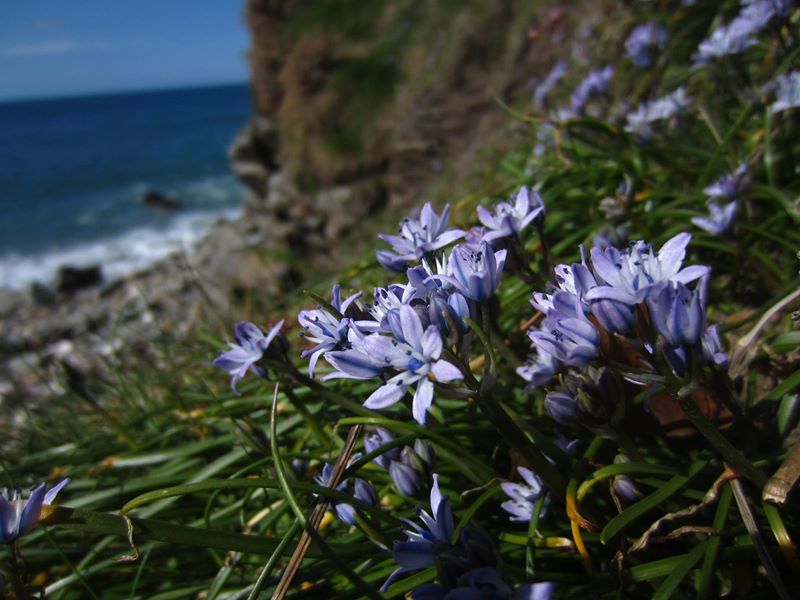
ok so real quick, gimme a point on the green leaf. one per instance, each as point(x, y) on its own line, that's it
point(784, 387)
point(682, 569)
point(99, 523)
point(622, 469)
point(712, 550)
point(651, 502)
point(786, 342)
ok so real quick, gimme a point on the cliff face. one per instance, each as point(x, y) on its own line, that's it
point(360, 105)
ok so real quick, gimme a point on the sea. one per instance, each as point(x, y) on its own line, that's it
point(74, 171)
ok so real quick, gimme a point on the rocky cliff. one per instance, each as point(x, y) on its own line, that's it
point(361, 109)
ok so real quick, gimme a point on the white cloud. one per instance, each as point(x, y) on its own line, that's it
point(51, 47)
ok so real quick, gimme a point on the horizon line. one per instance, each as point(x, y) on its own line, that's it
point(122, 91)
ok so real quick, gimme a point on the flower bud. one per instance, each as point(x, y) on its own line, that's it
point(406, 479)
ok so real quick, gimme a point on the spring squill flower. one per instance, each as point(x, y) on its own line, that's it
point(18, 516)
point(677, 313)
point(539, 369)
point(419, 237)
point(596, 82)
point(553, 77)
point(719, 219)
point(640, 120)
point(629, 275)
point(362, 491)
point(476, 274)
point(642, 41)
point(787, 92)
point(522, 496)
point(248, 348)
point(510, 219)
point(418, 551)
point(327, 331)
point(572, 341)
point(730, 185)
point(415, 357)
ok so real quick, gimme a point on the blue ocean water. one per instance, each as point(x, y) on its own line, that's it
point(73, 172)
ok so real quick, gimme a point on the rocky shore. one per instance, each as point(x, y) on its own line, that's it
point(309, 185)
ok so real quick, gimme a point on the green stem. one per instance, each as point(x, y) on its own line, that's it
point(518, 440)
point(729, 453)
point(279, 550)
point(313, 424)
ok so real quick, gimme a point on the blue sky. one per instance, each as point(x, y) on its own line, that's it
point(63, 47)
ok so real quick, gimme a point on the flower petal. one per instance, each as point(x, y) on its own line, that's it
point(445, 371)
point(422, 400)
point(386, 395)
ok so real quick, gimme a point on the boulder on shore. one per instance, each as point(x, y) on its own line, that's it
point(156, 199)
point(71, 279)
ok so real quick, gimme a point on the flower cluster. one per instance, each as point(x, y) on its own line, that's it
point(605, 296)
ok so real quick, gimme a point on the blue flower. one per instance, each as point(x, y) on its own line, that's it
point(475, 274)
point(362, 491)
point(735, 37)
point(596, 82)
point(483, 583)
point(630, 274)
point(624, 487)
point(327, 331)
point(677, 313)
point(377, 439)
point(713, 348)
point(538, 370)
point(719, 219)
point(18, 517)
point(642, 40)
point(572, 341)
point(563, 408)
point(730, 185)
point(391, 261)
point(418, 551)
point(787, 92)
point(553, 77)
point(639, 121)
point(416, 356)
point(522, 496)
point(510, 219)
point(419, 237)
point(406, 478)
point(249, 347)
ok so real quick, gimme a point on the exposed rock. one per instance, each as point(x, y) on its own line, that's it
point(161, 201)
point(10, 302)
point(253, 154)
point(72, 279)
point(42, 294)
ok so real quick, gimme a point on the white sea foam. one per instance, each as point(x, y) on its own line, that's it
point(121, 255)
